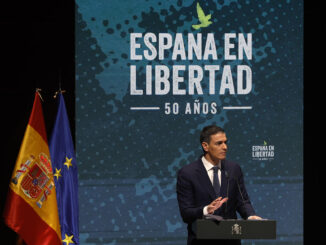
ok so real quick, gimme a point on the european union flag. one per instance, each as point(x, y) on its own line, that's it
point(65, 175)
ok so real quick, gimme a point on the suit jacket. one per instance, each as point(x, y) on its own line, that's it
point(195, 191)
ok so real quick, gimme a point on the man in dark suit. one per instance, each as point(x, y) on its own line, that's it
point(212, 185)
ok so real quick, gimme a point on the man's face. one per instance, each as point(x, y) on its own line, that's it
point(216, 149)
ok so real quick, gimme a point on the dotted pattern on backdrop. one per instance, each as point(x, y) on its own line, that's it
point(128, 161)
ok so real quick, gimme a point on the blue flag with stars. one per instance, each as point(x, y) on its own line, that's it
point(65, 175)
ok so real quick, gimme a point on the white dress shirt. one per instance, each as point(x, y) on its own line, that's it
point(209, 168)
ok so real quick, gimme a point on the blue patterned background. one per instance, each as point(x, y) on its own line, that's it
point(128, 160)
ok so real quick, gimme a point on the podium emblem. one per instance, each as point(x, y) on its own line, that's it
point(236, 229)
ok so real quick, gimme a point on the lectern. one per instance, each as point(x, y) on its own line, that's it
point(235, 229)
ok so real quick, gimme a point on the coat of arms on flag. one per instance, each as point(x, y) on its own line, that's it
point(36, 182)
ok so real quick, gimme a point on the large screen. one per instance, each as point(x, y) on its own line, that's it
point(150, 75)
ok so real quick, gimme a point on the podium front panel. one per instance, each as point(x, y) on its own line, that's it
point(235, 229)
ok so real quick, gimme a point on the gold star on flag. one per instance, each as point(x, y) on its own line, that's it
point(57, 173)
point(68, 162)
point(68, 239)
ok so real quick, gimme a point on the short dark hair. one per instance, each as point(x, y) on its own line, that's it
point(205, 135)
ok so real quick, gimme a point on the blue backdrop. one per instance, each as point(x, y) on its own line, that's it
point(128, 156)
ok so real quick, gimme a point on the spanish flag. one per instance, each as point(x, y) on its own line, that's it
point(31, 206)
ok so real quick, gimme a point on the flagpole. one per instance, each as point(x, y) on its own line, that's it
point(38, 90)
point(57, 92)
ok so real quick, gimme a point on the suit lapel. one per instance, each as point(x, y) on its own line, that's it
point(203, 176)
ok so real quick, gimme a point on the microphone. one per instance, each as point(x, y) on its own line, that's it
point(243, 200)
point(227, 190)
point(237, 180)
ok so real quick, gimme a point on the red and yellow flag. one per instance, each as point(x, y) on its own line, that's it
point(31, 206)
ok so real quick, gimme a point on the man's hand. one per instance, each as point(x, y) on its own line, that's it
point(216, 204)
point(254, 217)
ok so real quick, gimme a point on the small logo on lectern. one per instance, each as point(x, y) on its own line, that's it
point(236, 229)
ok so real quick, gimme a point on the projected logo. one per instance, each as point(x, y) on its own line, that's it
point(263, 152)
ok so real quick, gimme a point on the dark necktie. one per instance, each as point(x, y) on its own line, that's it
point(216, 183)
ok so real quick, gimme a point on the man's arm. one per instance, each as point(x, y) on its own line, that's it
point(186, 200)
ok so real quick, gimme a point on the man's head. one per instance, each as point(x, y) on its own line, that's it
point(214, 143)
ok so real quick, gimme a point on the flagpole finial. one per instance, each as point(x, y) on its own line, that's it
point(59, 91)
point(38, 90)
